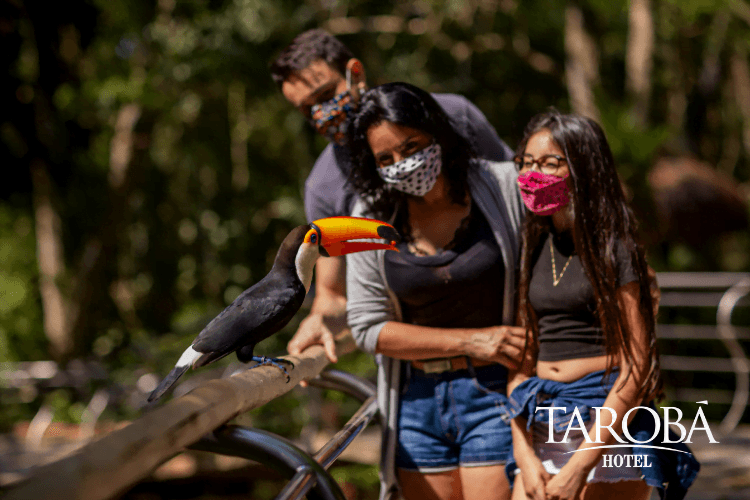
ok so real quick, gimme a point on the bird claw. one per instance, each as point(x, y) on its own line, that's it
point(262, 360)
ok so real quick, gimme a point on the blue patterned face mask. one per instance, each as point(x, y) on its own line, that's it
point(417, 174)
point(329, 118)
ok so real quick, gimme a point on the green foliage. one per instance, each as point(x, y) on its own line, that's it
point(364, 478)
point(21, 334)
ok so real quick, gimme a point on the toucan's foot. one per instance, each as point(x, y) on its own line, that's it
point(262, 360)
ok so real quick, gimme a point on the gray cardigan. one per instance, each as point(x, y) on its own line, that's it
point(371, 303)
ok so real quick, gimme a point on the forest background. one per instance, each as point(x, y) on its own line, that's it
point(153, 167)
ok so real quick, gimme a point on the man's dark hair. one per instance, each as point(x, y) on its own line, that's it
point(306, 48)
point(410, 106)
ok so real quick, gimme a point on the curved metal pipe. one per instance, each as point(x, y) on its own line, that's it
point(738, 357)
point(333, 448)
point(307, 474)
point(347, 383)
point(275, 451)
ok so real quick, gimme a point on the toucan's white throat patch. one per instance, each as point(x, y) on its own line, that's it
point(307, 256)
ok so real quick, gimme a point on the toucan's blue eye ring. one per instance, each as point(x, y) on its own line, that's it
point(313, 238)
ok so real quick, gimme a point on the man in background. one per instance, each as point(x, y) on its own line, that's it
point(320, 77)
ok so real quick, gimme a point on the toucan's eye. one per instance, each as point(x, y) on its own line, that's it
point(313, 238)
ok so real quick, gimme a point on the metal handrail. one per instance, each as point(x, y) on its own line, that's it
point(307, 474)
point(699, 280)
point(272, 450)
point(338, 443)
point(357, 387)
point(724, 291)
point(739, 358)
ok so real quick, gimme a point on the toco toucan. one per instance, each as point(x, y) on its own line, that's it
point(267, 306)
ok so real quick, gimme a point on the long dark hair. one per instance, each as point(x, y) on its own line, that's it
point(410, 106)
point(602, 218)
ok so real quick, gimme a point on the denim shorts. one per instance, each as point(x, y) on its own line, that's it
point(555, 455)
point(451, 419)
point(672, 466)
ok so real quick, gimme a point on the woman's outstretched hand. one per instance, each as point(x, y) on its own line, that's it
point(502, 344)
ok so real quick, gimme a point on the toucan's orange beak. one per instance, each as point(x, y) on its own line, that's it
point(337, 233)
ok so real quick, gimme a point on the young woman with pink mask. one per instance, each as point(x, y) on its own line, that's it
point(584, 298)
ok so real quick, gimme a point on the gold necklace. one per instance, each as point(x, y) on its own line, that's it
point(555, 279)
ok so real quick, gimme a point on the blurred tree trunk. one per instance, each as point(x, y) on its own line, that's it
point(120, 157)
point(66, 319)
point(706, 93)
point(49, 143)
point(581, 66)
point(741, 9)
point(677, 93)
point(101, 250)
point(121, 148)
point(741, 84)
point(49, 251)
point(639, 58)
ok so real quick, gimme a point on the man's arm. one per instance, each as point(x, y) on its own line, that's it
point(325, 196)
point(327, 318)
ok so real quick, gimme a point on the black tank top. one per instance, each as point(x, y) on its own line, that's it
point(568, 322)
point(457, 288)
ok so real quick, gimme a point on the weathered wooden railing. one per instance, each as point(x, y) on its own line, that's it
point(106, 467)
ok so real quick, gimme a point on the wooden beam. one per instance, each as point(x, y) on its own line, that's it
point(108, 466)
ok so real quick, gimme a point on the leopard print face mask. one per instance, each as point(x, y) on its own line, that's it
point(417, 174)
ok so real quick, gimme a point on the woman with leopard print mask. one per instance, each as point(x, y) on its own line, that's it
point(438, 314)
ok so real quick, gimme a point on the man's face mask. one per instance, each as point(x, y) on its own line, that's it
point(417, 174)
point(330, 117)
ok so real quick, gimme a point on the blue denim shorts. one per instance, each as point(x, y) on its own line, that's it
point(673, 467)
point(451, 419)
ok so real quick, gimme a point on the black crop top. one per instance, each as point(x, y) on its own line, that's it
point(568, 324)
point(457, 288)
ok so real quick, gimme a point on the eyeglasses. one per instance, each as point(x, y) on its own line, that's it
point(548, 164)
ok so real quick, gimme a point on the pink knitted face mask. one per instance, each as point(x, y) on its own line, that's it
point(543, 194)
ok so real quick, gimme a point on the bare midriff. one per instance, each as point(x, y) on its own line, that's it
point(568, 370)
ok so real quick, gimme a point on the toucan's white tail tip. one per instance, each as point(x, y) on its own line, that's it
point(188, 357)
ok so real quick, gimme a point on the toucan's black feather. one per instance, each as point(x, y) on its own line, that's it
point(165, 384)
point(258, 312)
point(267, 306)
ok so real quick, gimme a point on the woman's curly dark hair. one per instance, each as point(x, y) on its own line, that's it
point(410, 106)
point(602, 219)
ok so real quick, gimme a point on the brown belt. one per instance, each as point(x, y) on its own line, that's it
point(449, 364)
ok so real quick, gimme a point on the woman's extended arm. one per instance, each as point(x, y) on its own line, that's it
point(373, 316)
point(502, 344)
point(621, 398)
